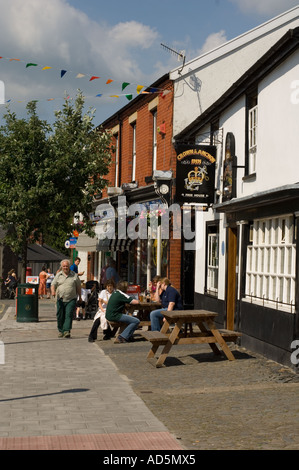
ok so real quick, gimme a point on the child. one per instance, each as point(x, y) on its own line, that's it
point(84, 297)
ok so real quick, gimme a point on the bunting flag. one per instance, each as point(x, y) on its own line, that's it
point(129, 96)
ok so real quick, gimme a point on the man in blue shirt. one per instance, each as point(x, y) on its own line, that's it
point(74, 266)
point(170, 300)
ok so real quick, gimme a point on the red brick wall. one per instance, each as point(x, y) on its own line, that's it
point(166, 156)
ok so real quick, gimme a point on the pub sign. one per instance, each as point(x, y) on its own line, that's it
point(195, 173)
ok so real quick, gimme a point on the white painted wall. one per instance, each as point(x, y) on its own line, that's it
point(204, 79)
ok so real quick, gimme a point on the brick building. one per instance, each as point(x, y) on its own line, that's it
point(144, 159)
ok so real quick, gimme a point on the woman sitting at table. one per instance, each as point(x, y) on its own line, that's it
point(170, 300)
point(153, 289)
point(100, 316)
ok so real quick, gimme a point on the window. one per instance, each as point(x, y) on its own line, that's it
point(134, 152)
point(154, 140)
point(212, 259)
point(271, 263)
point(252, 119)
point(116, 160)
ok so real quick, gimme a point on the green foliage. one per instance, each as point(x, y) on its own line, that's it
point(49, 174)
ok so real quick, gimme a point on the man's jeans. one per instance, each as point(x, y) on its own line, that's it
point(133, 323)
point(65, 312)
point(156, 317)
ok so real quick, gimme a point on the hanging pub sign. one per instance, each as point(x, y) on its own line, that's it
point(195, 173)
point(229, 168)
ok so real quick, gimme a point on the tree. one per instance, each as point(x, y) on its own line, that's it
point(47, 174)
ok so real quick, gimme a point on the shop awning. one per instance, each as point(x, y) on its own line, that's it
point(43, 254)
point(114, 244)
point(86, 243)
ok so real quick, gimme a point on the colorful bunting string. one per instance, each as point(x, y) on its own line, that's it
point(139, 88)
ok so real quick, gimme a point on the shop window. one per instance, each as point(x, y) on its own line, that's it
point(271, 263)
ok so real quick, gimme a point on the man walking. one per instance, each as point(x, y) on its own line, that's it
point(67, 287)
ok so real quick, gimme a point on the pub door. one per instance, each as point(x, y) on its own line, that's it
point(187, 279)
point(231, 277)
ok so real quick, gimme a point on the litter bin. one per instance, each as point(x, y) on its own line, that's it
point(27, 303)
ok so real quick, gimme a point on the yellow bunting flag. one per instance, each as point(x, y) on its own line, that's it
point(139, 88)
point(46, 68)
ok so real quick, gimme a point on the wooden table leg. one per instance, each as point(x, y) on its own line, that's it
point(216, 333)
point(213, 346)
point(155, 347)
point(173, 336)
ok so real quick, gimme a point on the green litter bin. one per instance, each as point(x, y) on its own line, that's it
point(27, 303)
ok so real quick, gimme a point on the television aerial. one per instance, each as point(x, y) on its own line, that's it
point(181, 55)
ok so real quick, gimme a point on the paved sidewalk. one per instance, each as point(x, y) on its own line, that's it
point(57, 394)
point(67, 394)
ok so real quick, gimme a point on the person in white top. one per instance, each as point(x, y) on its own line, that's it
point(84, 298)
point(100, 318)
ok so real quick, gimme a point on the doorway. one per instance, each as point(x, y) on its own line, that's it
point(231, 277)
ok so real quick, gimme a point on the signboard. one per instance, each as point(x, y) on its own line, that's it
point(32, 280)
point(195, 173)
point(229, 168)
point(134, 291)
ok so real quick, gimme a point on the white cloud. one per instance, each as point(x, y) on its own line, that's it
point(213, 40)
point(53, 33)
point(265, 7)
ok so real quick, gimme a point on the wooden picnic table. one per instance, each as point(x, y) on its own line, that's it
point(208, 333)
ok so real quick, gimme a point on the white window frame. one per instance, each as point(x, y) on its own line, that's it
point(252, 138)
point(271, 264)
point(213, 262)
point(116, 159)
point(154, 113)
point(134, 152)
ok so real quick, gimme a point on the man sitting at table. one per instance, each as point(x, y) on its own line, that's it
point(114, 312)
point(170, 300)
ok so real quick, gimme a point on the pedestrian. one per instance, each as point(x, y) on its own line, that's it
point(74, 266)
point(111, 272)
point(100, 316)
point(115, 312)
point(42, 289)
point(103, 278)
point(66, 286)
point(11, 283)
point(48, 283)
point(83, 302)
point(170, 300)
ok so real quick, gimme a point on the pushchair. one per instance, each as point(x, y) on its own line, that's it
point(10, 290)
point(92, 302)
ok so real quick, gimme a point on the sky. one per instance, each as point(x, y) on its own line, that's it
point(118, 41)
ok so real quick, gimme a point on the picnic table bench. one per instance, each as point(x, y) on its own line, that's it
point(208, 333)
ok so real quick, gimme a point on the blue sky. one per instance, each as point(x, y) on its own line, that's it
point(115, 40)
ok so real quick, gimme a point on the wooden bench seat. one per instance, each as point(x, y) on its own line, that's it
point(158, 338)
point(230, 335)
point(155, 336)
point(121, 325)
